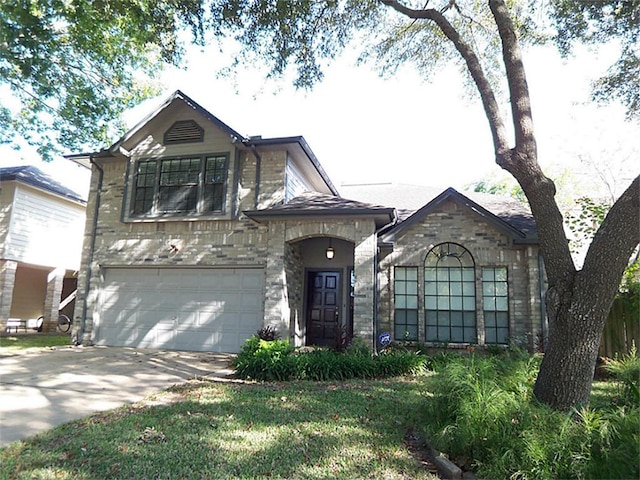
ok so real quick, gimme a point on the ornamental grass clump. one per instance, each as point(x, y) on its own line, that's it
point(483, 414)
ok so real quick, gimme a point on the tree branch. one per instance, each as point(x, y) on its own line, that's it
point(612, 244)
point(516, 76)
point(498, 131)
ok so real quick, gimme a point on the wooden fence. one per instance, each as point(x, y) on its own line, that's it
point(622, 329)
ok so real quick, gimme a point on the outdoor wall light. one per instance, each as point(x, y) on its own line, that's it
point(330, 251)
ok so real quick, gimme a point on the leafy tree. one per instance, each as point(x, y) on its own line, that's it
point(597, 22)
point(506, 187)
point(72, 67)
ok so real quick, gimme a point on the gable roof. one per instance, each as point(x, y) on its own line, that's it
point(33, 176)
point(506, 215)
point(297, 144)
point(177, 95)
point(314, 204)
point(409, 199)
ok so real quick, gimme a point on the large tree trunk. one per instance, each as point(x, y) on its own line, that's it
point(577, 310)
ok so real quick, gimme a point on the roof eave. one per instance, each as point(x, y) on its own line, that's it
point(516, 235)
point(381, 216)
point(190, 102)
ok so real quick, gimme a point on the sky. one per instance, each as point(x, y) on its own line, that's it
point(365, 129)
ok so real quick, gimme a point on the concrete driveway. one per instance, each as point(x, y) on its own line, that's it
point(39, 390)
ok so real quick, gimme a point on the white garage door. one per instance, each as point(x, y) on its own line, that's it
point(211, 310)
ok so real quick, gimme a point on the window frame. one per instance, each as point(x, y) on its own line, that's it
point(405, 296)
point(201, 186)
point(503, 308)
point(442, 289)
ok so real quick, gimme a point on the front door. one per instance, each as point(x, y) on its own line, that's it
point(323, 307)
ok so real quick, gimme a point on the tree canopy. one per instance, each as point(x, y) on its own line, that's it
point(71, 68)
point(597, 22)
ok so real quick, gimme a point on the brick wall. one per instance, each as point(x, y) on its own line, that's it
point(490, 247)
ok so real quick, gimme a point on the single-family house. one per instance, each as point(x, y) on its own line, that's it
point(198, 236)
point(41, 232)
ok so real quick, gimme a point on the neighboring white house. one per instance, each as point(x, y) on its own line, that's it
point(41, 234)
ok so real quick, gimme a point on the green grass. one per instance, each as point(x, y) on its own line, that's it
point(16, 343)
point(485, 417)
point(477, 409)
point(306, 430)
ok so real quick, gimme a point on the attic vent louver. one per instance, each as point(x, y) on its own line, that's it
point(184, 131)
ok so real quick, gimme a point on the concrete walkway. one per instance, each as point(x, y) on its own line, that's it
point(42, 389)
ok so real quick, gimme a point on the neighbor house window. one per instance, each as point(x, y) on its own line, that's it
point(495, 300)
point(180, 185)
point(450, 295)
point(405, 287)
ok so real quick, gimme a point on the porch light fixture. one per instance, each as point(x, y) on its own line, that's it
point(330, 251)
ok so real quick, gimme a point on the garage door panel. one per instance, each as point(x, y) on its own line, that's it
point(182, 309)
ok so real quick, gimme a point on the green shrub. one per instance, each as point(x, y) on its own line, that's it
point(279, 360)
point(483, 414)
point(626, 370)
point(266, 360)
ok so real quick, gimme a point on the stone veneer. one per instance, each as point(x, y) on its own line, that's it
point(490, 247)
point(230, 241)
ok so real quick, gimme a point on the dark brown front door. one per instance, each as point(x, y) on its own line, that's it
point(323, 307)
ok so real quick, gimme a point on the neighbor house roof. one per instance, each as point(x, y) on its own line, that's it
point(314, 204)
point(30, 175)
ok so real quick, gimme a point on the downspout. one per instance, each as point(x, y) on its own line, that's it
point(258, 166)
point(376, 294)
point(92, 244)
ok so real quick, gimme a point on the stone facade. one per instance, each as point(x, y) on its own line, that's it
point(287, 244)
point(489, 247)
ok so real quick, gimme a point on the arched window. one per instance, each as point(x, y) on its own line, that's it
point(450, 294)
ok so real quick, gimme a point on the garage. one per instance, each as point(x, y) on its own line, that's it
point(209, 310)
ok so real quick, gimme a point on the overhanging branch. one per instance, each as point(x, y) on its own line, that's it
point(489, 103)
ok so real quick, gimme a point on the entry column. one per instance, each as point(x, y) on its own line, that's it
point(364, 269)
point(52, 299)
point(7, 281)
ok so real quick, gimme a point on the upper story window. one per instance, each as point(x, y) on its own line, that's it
point(181, 185)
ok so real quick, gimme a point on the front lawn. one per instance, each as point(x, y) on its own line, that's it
point(15, 343)
point(478, 409)
point(351, 429)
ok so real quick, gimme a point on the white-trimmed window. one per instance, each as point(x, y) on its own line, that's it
point(495, 300)
point(405, 287)
point(180, 185)
point(450, 295)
